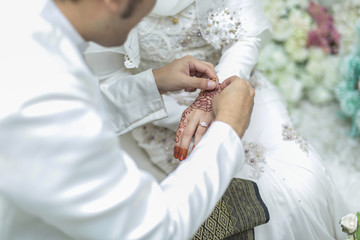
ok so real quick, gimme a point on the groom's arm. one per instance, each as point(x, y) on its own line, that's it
point(134, 100)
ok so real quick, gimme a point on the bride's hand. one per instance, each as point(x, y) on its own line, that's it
point(194, 122)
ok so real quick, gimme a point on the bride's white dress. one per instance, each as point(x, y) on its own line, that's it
point(294, 184)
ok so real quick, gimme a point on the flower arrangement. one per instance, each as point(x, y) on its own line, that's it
point(348, 90)
point(350, 225)
point(346, 13)
point(303, 57)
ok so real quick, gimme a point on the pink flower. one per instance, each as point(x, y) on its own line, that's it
point(325, 36)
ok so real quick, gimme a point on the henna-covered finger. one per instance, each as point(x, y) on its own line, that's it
point(178, 138)
point(201, 108)
point(179, 133)
point(200, 132)
point(176, 152)
point(183, 154)
point(187, 135)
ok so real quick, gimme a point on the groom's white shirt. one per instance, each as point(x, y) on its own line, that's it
point(63, 174)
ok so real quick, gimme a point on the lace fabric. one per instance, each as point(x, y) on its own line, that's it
point(162, 41)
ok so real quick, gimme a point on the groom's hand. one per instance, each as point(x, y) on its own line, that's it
point(234, 104)
point(186, 73)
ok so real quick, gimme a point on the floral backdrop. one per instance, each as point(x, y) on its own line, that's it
point(313, 54)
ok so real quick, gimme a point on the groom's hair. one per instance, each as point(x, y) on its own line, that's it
point(130, 8)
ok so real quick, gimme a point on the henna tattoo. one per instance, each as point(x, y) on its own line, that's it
point(176, 152)
point(182, 124)
point(202, 102)
point(183, 154)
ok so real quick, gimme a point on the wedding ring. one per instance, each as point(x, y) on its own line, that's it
point(203, 124)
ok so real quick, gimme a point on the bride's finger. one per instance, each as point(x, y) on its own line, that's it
point(179, 132)
point(178, 137)
point(187, 135)
point(203, 126)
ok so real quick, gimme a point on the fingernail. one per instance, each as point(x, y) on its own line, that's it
point(176, 152)
point(183, 154)
point(211, 84)
point(193, 147)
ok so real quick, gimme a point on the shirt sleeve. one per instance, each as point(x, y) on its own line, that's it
point(131, 100)
point(61, 162)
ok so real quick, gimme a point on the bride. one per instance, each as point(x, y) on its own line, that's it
point(293, 182)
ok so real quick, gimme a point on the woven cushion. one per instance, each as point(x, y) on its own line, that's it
point(236, 214)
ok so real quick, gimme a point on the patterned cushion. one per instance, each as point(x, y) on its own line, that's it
point(236, 214)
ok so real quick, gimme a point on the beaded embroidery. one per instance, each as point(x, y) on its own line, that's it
point(224, 28)
point(162, 42)
point(290, 134)
point(255, 157)
point(190, 35)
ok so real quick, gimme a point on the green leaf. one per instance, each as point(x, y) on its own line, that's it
point(357, 232)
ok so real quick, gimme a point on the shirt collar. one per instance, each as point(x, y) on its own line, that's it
point(52, 14)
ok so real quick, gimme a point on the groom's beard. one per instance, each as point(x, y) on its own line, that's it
point(130, 8)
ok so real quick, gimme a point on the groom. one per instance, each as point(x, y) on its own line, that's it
point(63, 174)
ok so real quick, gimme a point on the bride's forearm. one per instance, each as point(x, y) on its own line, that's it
point(239, 59)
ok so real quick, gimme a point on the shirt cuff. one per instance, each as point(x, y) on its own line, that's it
point(133, 101)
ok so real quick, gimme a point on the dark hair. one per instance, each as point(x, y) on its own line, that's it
point(130, 8)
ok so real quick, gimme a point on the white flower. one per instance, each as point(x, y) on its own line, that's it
point(332, 74)
point(349, 222)
point(296, 45)
point(289, 85)
point(323, 69)
point(272, 57)
point(350, 10)
point(300, 19)
point(298, 3)
point(282, 29)
point(317, 54)
point(350, 237)
point(320, 95)
point(315, 69)
point(306, 79)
